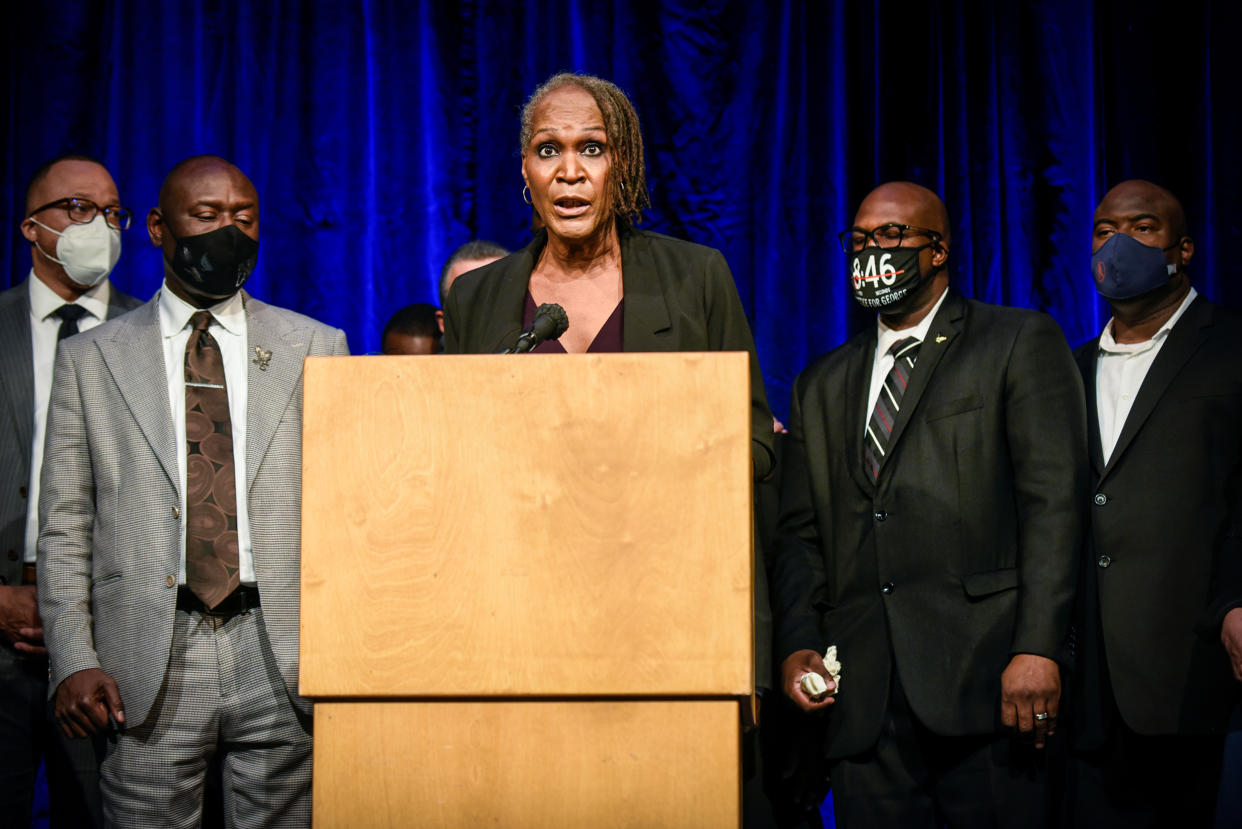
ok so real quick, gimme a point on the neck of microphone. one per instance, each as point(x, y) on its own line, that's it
point(550, 323)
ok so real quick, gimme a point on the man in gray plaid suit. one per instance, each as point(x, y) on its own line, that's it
point(73, 223)
point(169, 544)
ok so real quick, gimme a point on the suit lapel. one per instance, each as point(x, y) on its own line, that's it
point(1088, 358)
point(854, 401)
point(134, 354)
point(508, 297)
point(940, 336)
point(17, 366)
point(275, 351)
point(646, 311)
point(1184, 340)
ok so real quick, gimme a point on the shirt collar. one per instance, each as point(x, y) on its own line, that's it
point(175, 313)
point(1107, 343)
point(886, 336)
point(44, 301)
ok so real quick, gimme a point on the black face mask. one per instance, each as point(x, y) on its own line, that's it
point(216, 263)
point(882, 277)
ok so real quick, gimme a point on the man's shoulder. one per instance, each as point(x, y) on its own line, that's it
point(284, 323)
point(986, 323)
point(259, 310)
point(1003, 315)
point(1227, 320)
point(14, 295)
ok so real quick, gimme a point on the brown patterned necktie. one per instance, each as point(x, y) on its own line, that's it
point(211, 566)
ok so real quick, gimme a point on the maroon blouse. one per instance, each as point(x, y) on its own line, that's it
point(607, 340)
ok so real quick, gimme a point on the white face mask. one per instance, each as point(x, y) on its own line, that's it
point(88, 252)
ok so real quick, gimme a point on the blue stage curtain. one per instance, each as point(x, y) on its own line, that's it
point(383, 134)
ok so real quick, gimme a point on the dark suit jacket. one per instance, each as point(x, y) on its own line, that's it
point(965, 550)
point(679, 296)
point(17, 416)
point(1166, 519)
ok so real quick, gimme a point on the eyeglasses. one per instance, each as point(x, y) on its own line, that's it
point(83, 211)
point(890, 235)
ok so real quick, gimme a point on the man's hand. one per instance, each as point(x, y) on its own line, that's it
point(85, 700)
point(1231, 638)
point(792, 670)
point(1031, 686)
point(19, 619)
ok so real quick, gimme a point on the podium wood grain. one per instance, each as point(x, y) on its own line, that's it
point(564, 526)
point(527, 764)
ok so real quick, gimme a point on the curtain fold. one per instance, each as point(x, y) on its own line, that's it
point(383, 134)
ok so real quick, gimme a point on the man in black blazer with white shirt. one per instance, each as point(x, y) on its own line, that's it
point(1161, 611)
point(931, 518)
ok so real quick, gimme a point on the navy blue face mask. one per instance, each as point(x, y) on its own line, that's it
point(1124, 267)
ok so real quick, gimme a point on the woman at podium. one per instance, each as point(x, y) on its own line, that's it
point(622, 288)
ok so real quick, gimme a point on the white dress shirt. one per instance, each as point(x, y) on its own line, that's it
point(1119, 372)
point(228, 327)
point(885, 337)
point(44, 330)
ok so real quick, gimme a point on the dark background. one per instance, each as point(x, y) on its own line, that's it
point(382, 135)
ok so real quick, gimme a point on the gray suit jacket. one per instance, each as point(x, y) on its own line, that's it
point(109, 540)
point(17, 419)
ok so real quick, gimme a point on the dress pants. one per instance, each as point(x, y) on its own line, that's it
point(222, 696)
point(28, 734)
point(1136, 782)
point(913, 778)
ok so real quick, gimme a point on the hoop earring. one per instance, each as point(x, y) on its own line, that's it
point(526, 194)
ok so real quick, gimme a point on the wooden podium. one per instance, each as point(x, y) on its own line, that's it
point(526, 588)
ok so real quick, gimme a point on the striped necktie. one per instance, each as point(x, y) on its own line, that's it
point(880, 426)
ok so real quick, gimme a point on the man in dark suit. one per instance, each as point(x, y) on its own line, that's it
point(73, 223)
point(170, 530)
point(1161, 610)
point(931, 517)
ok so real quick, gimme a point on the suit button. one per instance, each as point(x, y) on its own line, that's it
point(881, 515)
point(176, 512)
point(1103, 561)
point(170, 581)
point(1100, 499)
point(12, 555)
point(21, 490)
point(887, 588)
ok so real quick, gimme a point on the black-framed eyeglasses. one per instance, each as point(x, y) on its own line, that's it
point(890, 235)
point(83, 211)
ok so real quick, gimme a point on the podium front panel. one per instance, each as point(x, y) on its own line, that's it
point(564, 525)
point(527, 764)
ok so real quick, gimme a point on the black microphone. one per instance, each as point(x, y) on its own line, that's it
point(550, 323)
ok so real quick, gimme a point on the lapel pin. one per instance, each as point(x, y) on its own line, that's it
point(939, 338)
point(261, 358)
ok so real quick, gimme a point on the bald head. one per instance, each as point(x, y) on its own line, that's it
point(1144, 210)
point(906, 203)
point(191, 174)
